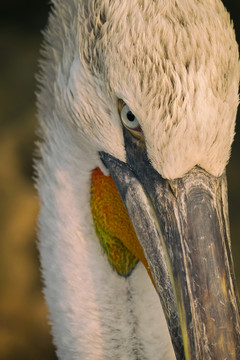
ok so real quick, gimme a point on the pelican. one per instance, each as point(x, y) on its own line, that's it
point(137, 108)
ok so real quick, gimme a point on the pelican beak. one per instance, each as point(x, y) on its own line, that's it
point(183, 228)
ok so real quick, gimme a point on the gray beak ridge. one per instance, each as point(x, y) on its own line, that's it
point(183, 229)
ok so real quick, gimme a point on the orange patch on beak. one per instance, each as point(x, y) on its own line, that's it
point(110, 215)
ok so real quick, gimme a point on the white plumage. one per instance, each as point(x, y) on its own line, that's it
point(175, 63)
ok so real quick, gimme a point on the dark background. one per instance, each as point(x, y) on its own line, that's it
point(24, 332)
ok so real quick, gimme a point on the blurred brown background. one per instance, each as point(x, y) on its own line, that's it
point(24, 332)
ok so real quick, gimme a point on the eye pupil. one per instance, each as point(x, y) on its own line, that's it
point(130, 116)
point(129, 120)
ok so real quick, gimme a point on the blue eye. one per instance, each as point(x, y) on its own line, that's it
point(129, 119)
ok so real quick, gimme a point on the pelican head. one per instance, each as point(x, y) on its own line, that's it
point(147, 91)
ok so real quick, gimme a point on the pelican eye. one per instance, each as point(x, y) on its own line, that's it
point(129, 120)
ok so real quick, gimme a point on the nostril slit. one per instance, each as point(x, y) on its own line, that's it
point(173, 188)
